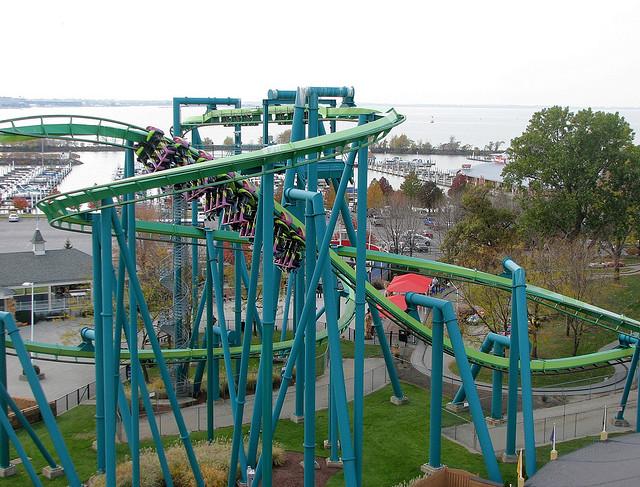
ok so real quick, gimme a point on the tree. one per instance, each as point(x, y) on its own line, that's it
point(400, 143)
point(228, 140)
point(617, 208)
point(385, 186)
point(484, 234)
point(411, 187)
point(20, 203)
point(562, 157)
point(431, 195)
point(284, 137)
point(400, 222)
point(375, 196)
point(452, 146)
point(458, 185)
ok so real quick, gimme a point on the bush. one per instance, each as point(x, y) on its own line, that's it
point(213, 459)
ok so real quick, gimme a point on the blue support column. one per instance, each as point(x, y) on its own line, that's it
point(512, 397)
point(448, 316)
point(134, 439)
point(435, 414)
point(7, 323)
point(209, 340)
point(287, 303)
point(107, 344)
point(496, 387)
point(398, 395)
point(520, 300)
point(629, 381)
point(5, 461)
point(162, 366)
point(310, 330)
point(361, 279)
point(97, 324)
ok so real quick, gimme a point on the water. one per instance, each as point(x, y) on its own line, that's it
point(476, 126)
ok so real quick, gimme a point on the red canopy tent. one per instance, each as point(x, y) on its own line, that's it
point(398, 300)
point(409, 283)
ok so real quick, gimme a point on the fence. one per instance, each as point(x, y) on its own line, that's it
point(81, 394)
point(195, 417)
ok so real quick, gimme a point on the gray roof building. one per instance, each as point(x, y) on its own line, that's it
point(51, 267)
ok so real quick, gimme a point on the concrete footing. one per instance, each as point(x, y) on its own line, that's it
point(399, 401)
point(509, 458)
point(334, 463)
point(297, 419)
point(52, 472)
point(553, 455)
point(8, 471)
point(429, 470)
point(23, 377)
point(316, 465)
point(604, 435)
point(495, 421)
point(457, 407)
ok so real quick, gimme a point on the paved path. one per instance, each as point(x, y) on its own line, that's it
point(572, 420)
point(375, 377)
point(60, 378)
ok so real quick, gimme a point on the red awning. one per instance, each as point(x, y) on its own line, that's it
point(398, 300)
point(409, 283)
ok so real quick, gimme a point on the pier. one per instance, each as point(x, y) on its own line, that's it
point(423, 169)
point(32, 182)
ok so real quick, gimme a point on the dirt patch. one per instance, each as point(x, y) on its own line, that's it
point(291, 474)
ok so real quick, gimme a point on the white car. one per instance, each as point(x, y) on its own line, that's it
point(13, 217)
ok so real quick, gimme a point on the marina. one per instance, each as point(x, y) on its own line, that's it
point(31, 182)
point(424, 168)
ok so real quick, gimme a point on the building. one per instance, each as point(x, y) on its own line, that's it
point(61, 278)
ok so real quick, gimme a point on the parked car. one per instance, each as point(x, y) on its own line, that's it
point(377, 221)
point(13, 217)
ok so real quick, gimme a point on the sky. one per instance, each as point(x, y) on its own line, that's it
point(490, 52)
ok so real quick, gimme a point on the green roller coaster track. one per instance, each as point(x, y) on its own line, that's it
point(65, 211)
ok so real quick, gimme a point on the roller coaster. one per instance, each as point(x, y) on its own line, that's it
point(290, 244)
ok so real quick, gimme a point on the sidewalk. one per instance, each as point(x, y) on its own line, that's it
point(195, 417)
point(573, 420)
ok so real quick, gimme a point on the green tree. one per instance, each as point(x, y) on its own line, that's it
point(411, 187)
point(562, 156)
point(484, 234)
point(375, 196)
point(431, 196)
point(617, 207)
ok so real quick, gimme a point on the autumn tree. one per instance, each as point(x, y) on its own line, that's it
point(400, 222)
point(228, 140)
point(385, 186)
point(284, 137)
point(20, 203)
point(375, 196)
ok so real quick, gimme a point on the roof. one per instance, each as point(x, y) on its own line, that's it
point(37, 237)
point(55, 266)
point(489, 171)
point(611, 463)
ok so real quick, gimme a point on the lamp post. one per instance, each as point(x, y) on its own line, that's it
point(27, 284)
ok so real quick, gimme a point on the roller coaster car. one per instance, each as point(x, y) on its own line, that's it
point(182, 155)
point(153, 142)
point(204, 156)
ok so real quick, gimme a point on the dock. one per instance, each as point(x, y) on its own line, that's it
point(401, 168)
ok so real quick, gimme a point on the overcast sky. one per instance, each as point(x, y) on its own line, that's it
point(579, 53)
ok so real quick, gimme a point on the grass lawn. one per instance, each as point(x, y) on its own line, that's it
point(348, 349)
point(395, 445)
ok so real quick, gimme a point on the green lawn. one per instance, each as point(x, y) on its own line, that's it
point(395, 445)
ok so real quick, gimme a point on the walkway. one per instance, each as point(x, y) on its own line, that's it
point(375, 377)
point(572, 420)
